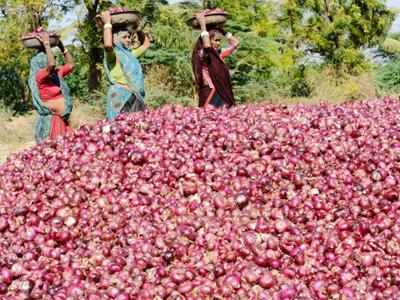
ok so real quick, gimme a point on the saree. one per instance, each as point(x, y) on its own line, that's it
point(121, 98)
point(219, 74)
point(47, 122)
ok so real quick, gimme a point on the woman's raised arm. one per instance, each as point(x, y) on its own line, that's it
point(204, 33)
point(44, 38)
point(107, 31)
point(67, 56)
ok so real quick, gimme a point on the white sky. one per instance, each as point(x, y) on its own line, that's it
point(395, 4)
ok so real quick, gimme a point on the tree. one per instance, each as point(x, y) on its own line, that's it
point(387, 73)
point(391, 45)
point(336, 29)
point(265, 59)
point(91, 39)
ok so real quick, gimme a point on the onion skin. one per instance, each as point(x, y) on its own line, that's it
point(253, 202)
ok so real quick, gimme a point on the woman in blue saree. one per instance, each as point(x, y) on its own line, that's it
point(124, 72)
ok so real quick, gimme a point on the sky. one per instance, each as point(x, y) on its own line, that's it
point(395, 4)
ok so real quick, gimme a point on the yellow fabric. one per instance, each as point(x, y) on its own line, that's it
point(116, 73)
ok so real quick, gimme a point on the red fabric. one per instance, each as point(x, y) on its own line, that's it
point(228, 51)
point(49, 84)
point(58, 126)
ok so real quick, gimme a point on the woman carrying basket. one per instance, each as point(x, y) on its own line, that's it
point(50, 94)
point(124, 72)
point(211, 74)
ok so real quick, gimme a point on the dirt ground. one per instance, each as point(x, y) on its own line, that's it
point(17, 133)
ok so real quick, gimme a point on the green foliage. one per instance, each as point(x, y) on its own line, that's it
point(300, 87)
point(325, 85)
point(390, 46)
point(12, 89)
point(388, 76)
point(337, 29)
point(77, 80)
point(14, 67)
point(251, 15)
point(14, 58)
point(172, 46)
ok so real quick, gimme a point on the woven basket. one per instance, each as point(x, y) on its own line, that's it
point(216, 19)
point(34, 43)
point(129, 19)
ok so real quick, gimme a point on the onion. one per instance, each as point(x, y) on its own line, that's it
point(3, 223)
point(253, 202)
point(281, 226)
point(287, 293)
point(266, 281)
point(241, 201)
point(233, 282)
point(6, 276)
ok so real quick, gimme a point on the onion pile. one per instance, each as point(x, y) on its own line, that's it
point(254, 202)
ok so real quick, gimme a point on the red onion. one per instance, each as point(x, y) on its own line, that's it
point(255, 202)
point(267, 281)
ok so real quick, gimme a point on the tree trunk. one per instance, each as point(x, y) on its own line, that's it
point(94, 79)
point(95, 54)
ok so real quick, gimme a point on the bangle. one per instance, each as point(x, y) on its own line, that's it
point(228, 35)
point(46, 43)
point(107, 25)
point(204, 33)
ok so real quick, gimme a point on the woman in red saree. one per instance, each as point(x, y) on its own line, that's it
point(50, 93)
point(211, 73)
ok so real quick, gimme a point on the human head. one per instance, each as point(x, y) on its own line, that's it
point(216, 36)
point(124, 37)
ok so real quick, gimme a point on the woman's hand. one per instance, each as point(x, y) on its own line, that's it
point(201, 18)
point(106, 17)
point(146, 42)
point(44, 38)
point(107, 32)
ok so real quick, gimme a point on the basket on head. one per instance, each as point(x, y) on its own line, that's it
point(122, 17)
point(30, 39)
point(216, 17)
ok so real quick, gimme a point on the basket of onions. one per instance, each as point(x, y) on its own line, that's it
point(30, 40)
point(214, 18)
point(122, 17)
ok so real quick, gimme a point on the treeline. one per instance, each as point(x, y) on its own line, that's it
point(289, 49)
